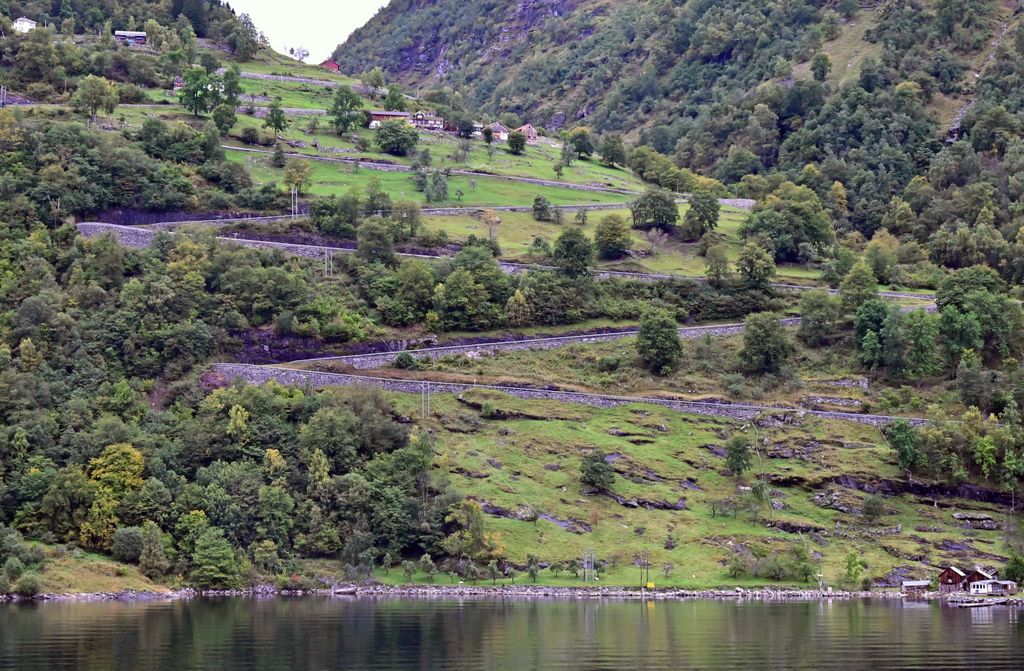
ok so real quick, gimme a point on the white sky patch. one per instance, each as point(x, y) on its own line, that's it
point(317, 25)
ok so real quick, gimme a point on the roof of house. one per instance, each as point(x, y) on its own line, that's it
point(498, 126)
point(916, 583)
point(129, 33)
point(956, 570)
point(388, 113)
point(24, 19)
point(985, 574)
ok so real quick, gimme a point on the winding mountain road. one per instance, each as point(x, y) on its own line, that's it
point(135, 237)
point(139, 237)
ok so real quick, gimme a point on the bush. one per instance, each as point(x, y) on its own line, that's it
point(28, 585)
point(127, 544)
point(250, 135)
point(874, 508)
point(12, 570)
point(130, 94)
point(596, 472)
point(406, 361)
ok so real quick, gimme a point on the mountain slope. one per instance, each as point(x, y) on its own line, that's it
point(560, 61)
point(729, 88)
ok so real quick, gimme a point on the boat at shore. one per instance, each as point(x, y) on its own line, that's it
point(979, 603)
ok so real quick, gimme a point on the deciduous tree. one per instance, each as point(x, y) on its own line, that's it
point(657, 341)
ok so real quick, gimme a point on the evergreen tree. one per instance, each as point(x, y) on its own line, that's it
point(716, 262)
point(738, 458)
point(213, 562)
point(819, 313)
point(613, 151)
point(152, 559)
point(94, 94)
point(345, 109)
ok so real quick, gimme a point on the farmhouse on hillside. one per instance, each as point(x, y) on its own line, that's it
point(330, 65)
point(377, 117)
point(529, 131)
point(23, 25)
point(130, 37)
point(501, 131)
point(952, 580)
point(427, 121)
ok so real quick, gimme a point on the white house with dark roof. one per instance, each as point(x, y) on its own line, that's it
point(23, 25)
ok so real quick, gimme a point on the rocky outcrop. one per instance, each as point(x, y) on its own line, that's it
point(647, 504)
point(925, 489)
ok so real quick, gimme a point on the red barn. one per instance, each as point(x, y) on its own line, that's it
point(330, 65)
point(977, 575)
point(952, 580)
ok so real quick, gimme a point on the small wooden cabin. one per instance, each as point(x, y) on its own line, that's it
point(377, 117)
point(136, 37)
point(915, 588)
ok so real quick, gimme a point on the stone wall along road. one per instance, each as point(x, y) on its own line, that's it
point(301, 378)
point(382, 359)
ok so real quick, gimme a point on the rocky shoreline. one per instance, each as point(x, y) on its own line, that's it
point(462, 591)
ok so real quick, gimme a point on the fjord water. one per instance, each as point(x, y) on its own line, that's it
point(343, 633)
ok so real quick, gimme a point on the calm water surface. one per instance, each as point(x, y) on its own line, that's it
point(341, 633)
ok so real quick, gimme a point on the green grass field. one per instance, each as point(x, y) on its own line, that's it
point(335, 179)
point(533, 460)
